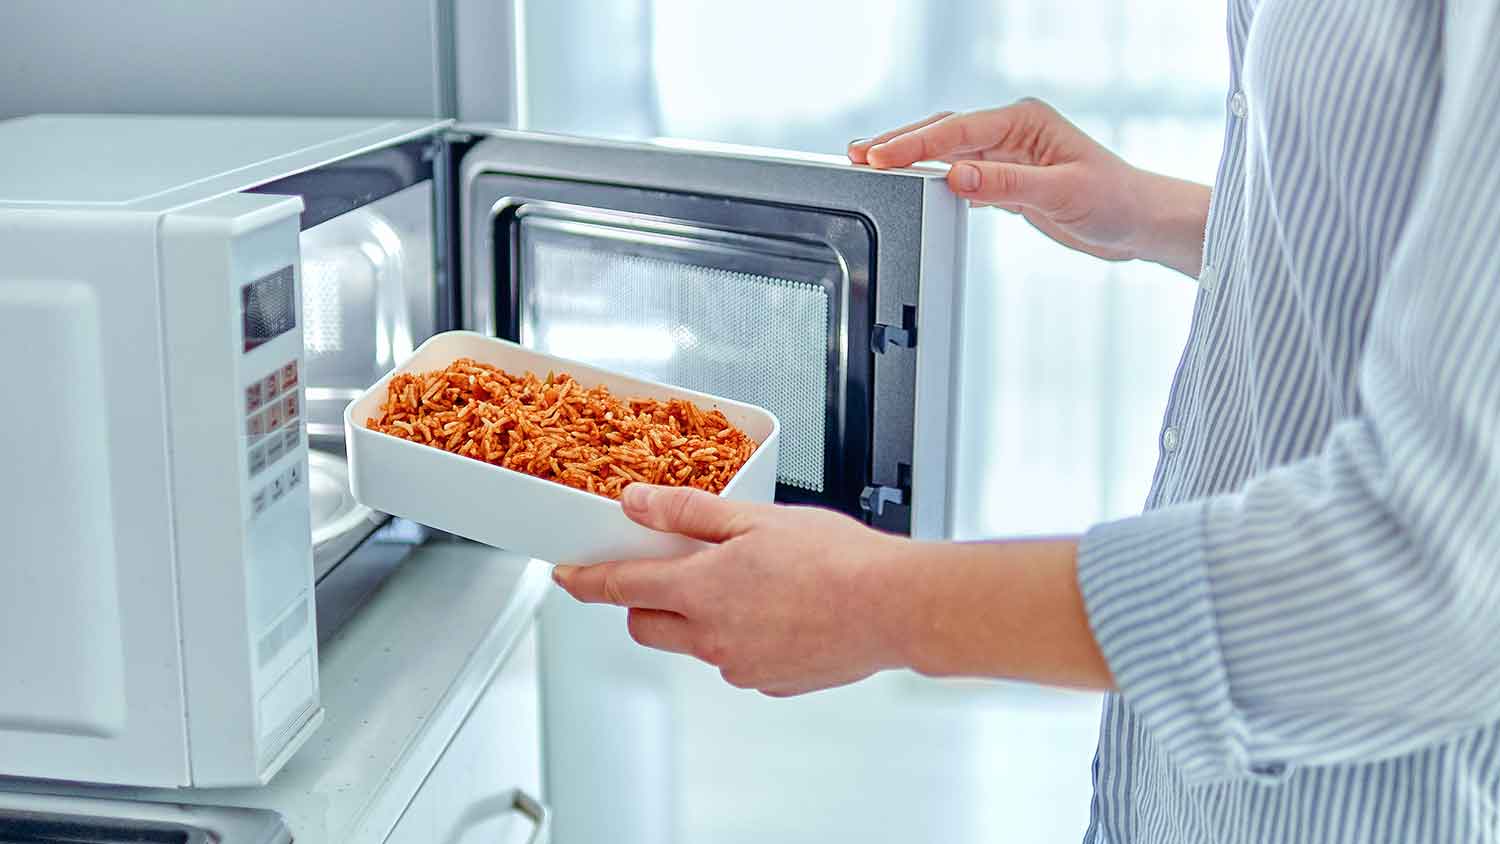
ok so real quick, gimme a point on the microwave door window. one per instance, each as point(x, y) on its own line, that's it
point(750, 319)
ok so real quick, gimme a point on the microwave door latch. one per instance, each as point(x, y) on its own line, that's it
point(873, 499)
point(883, 337)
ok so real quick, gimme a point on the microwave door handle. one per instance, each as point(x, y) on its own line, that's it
point(517, 801)
point(538, 813)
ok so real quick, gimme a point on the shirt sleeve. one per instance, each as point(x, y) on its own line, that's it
point(1346, 607)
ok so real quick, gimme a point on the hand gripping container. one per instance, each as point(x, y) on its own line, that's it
point(511, 510)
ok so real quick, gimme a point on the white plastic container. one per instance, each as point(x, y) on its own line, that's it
point(511, 510)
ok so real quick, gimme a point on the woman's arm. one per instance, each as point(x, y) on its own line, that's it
point(995, 609)
point(790, 599)
point(1028, 159)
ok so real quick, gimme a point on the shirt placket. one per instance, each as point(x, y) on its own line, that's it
point(1183, 404)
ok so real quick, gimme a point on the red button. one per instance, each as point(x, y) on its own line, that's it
point(274, 417)
point(268, 388)
point(289, 406)
point(289, 376)
point(252, 397)
point(257, 426)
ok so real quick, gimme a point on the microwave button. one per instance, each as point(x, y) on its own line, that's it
point(278, 489)
point(257, 460)
point(275, 448)
point(258, 502)
point(289, 376)
point(274, 417)
point(291, 438)
point(255, 427)
point(268, 388)
point(289, 406)
point(294, 476)
point(252, 397)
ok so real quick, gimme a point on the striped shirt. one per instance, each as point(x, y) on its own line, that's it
point(1304, 625)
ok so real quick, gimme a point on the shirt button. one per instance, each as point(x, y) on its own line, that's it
point(1239, 105)
point(1209, 279)
point(1171, 438)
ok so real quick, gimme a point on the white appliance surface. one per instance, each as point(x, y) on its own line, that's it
point(399, 682)
point(130, 257)
point(153, 163)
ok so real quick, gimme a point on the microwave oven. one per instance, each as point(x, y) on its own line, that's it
point(196, 299)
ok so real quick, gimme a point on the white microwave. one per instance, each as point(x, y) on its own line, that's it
point(194, 300)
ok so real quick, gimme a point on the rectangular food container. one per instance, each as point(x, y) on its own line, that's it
point(515, 511)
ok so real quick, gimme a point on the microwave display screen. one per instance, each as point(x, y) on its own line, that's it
point(269, 307)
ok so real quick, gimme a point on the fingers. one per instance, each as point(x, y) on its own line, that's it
point(1001, 132)
point(652, 584)
point(951, 135)
point(665, 631)
point(859, 148)
point(690, 512)
point(1010, 186)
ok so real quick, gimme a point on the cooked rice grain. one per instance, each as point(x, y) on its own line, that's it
point(556, 429)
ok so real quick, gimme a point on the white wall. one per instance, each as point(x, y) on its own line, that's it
point(329, 57)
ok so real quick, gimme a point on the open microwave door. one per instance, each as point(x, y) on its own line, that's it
point(827, 293)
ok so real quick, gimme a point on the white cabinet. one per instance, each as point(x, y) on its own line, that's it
point(486, 787)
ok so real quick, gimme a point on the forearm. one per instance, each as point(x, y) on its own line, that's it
point(998, 609)
point(1173, 215)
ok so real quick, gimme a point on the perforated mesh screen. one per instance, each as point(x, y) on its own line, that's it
point(753, 338)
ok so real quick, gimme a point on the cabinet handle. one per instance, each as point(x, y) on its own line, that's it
point(537, 812)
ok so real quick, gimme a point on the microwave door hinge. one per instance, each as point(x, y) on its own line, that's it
point(440, 141)
point(457, 136)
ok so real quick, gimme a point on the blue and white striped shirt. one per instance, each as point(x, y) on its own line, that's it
point(1305, 623)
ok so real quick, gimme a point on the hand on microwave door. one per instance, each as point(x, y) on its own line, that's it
point(1028, 159)
point(789, 600)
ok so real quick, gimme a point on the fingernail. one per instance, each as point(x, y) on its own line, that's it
point(636, 497)
point(859, 142)
point(562, 574)
point(967, 176)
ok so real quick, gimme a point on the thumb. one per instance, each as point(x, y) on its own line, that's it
point(998, 183)
point(690, 512)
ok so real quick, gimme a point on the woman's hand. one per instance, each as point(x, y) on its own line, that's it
point(787, 601)
point(1028, 159)
point(792, 599)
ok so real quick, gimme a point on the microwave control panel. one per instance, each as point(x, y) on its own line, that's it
point(273, 459)
point(265, 290)
point(232, 282)
point(273, 430)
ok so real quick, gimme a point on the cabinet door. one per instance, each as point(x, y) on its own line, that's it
point(483, 789)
